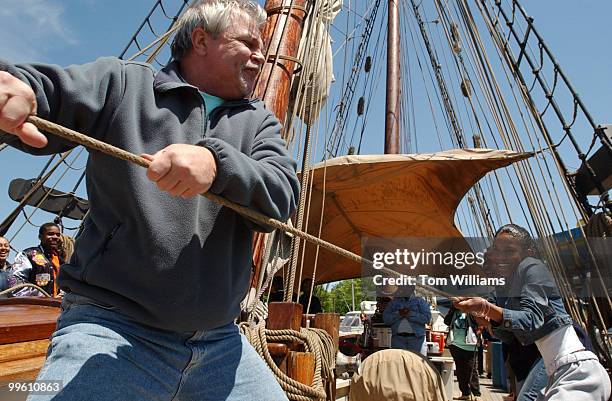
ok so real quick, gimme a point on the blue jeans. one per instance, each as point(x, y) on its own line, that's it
point(411, 343)
point(100, 354)
point(534, 383)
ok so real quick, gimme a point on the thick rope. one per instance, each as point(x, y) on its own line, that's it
point(317, 341)
point(114, 151)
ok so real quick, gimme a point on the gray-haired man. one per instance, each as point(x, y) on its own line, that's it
point(157, 276)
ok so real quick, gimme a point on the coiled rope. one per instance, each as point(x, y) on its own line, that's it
point(317, 341)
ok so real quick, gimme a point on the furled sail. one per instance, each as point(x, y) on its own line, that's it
point(315, 48)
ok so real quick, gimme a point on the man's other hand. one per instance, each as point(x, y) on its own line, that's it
point(17, 103)
point(182, 170)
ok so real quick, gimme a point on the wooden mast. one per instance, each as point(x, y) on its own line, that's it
point(281, 35)
point(393, 81)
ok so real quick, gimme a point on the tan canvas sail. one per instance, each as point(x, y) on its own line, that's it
point(389, 196)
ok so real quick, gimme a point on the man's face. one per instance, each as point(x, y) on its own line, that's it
point(51, 239)
point(505, 255)
point(235, 58)
point(4, 249)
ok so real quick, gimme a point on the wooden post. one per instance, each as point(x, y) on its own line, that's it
point(284, 315)
point(279, 353)
point(300, 366)
point(330, 322)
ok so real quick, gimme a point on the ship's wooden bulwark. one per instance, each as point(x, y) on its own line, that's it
point(25, 327)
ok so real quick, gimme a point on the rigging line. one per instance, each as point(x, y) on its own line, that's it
point(407, 110)
point(440, 79)
point(371, 82)
point(69, 167)
point(305, 99)
point(461, 217)
point(28, 195)
point(407, 101)
point(490, 102)
point(482, 202)
point(542, 128)
point(463, 71)
point(561, 118)
point(530, 135)
point(429, 100)
point(477, 69)
point(436, 90)
point(39, 181)
point(48, 193)
point(514, 130)
point(348, 93)
point(413, 128)
point(433, 85)
point(147, 20)
point(452, 92)
point(364, 47)
point(556, 65)
point(372, 79)
point(162, 40)
point(492, 97)
point(304, 179)
point(378, 78)
point(373, 89)
point(355, 13)
point(323, 197)
point(509, 120)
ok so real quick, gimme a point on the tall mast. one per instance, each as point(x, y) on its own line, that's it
point(281, 35)
point(393, 81)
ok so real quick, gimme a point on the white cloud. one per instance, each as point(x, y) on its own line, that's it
point(29, 27)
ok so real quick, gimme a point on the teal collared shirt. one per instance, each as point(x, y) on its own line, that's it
point(211, 102)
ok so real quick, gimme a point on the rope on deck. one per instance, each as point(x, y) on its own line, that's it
point(317, 341)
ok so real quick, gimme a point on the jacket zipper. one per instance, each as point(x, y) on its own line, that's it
point(101, 250)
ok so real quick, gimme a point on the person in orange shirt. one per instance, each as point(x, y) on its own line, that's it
point(40, 265)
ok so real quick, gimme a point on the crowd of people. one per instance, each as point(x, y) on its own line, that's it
point(34, 270)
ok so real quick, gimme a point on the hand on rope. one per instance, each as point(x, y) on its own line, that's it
point(483, 310)
point(17, 102)
point(94, 144)
point(182, 170)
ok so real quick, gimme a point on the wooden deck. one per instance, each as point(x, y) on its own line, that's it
point(489, 393)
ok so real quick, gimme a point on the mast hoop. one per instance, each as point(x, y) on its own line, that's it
point(275, 58)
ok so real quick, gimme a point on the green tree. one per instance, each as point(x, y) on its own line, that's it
point(339, 299)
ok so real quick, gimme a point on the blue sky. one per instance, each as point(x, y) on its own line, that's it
point(71, 31)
